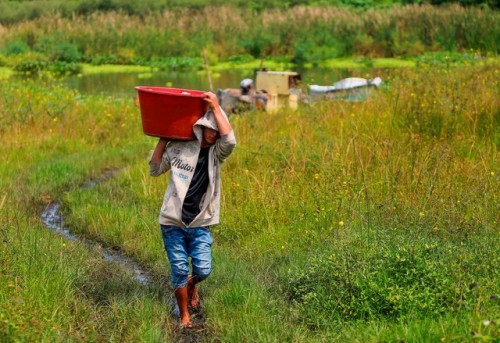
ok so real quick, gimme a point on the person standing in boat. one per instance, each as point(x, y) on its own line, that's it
point(192, 200)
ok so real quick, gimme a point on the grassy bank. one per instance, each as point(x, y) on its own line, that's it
point(439, 60)
point(301, 34)
point(371, 221)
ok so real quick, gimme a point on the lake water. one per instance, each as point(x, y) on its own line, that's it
point(122, 84)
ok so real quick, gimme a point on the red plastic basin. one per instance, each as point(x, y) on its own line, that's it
point(170, 112)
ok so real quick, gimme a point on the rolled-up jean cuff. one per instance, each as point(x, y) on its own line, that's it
point(179, 282)
point(202, 274)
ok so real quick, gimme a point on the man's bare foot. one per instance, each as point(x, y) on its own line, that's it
point(181, 294)
point(186, 324)
point(193, 297)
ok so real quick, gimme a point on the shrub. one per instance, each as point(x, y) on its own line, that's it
point(259, 42)
point(177, 63)
point(64, 68)
point(57, 49)
point(29, 63)
point(100, 59)
point(16, 47)
point(66, 52)
point(240, 58)
point(302, 52)
point(391, 283)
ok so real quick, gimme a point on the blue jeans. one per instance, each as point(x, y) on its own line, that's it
point(181, 244)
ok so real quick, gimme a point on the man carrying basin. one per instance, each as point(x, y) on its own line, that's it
point(192, 200)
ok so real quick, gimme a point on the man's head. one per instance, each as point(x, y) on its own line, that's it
point(246, 85)
point(210, 136)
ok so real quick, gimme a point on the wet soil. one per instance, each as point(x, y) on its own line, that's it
point(53, 220)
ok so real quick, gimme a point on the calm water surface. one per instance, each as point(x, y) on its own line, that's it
point(122, 84)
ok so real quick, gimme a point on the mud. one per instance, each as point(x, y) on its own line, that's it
point(53, 220)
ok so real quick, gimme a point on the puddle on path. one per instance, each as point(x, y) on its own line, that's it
point(53, 220)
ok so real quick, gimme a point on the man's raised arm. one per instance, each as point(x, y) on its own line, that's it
point(227, 142)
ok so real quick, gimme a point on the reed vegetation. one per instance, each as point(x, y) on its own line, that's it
point(12, 11)
point(300, 34)
point(369, 221)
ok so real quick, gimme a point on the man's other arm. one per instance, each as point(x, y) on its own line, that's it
point(159, 162)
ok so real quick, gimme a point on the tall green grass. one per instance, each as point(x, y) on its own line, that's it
point(52, 290)
point(301, 34)
point(370, 221)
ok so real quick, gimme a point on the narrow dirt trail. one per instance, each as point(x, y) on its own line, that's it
point(53, 220)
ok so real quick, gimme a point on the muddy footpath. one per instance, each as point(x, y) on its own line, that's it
point(53, 219)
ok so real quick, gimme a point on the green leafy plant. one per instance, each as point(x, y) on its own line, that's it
point(60, 68)
point(446, 59)
point(15, 47)
point(391, 283)
point(29, 63)
point(66, 52)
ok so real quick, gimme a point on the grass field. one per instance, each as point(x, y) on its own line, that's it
point(366, 222)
